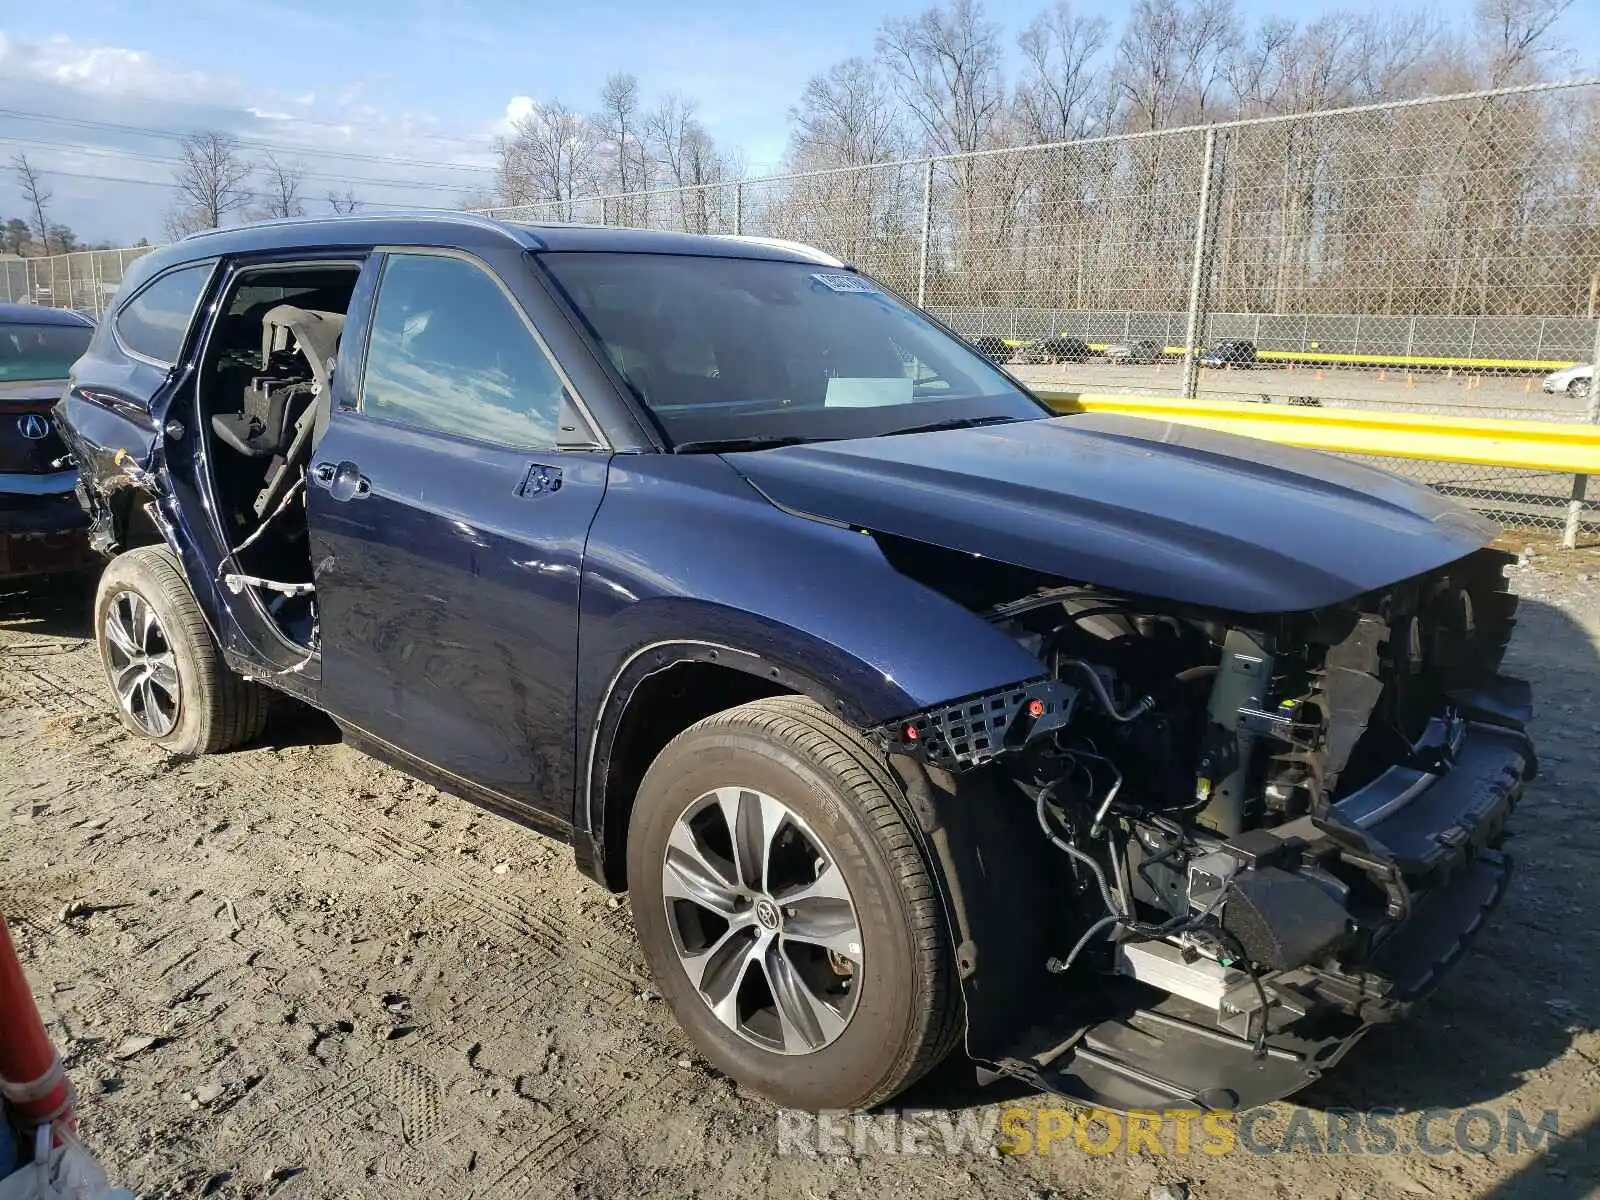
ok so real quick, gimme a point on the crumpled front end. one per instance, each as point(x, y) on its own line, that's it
point(1199, 856)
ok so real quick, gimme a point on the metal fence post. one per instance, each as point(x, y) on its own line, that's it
point(1580, 483)
point(69, 303)
point(738, 208)
point(927, 234)
point(1202, 259)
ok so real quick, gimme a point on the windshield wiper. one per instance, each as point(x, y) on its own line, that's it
point(956, 423)
point(759, 442)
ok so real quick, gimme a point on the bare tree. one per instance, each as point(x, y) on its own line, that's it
point(37, 197)
point(1147, 62)
point(945, 65)
point(1207, 36)
point(210, 180)
point(689, 159)
point(618, 123)
point(550, 156)
point(849, 117)
point(1171, 57)
point(1396, 50)
point(282, 185)
point(1514, 34)
point(1064, 93)
point(846, 118)
point(344, 202)
point(1280, 69)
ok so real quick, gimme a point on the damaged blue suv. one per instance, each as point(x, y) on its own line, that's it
point(1152, 765)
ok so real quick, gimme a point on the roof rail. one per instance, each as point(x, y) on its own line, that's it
point(821, 257)
point(455, 215)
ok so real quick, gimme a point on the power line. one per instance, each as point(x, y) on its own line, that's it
point(252, 143)
point(110, 152)
point(254, 112)
point(158, 183)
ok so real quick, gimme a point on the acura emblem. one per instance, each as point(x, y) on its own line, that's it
point(34, 427)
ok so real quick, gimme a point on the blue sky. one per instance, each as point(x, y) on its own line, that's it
point(428, 80)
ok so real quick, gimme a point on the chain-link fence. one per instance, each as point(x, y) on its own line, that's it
point(1442, 255)
point(85, 279)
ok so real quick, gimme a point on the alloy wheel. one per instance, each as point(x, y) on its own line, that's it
point(762, 920)
point(144, 672)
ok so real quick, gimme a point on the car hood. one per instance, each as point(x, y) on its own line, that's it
point(1143, 507)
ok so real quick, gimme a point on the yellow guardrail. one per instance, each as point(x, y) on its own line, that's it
point(1313, 358)
point(1424, 361)
point(1533, 445)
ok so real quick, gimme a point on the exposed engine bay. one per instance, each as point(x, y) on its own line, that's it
point(1248, 810)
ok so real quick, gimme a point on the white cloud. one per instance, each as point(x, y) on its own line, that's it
point(517, 108)
point(108, 70)
point(113, 183)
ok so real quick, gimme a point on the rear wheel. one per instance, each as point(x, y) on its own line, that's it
point(1579, 389)
point(786, 911)
point(165, 672)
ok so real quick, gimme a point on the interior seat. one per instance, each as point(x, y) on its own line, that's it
point(266, 426)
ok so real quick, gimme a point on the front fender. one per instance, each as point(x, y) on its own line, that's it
point(683, 547)
point(686, 560)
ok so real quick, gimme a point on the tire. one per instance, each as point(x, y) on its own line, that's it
point(190, 703)
point(1579, 389)
point(904, 1007)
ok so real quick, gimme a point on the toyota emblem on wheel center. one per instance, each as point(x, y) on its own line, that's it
point(34, 427)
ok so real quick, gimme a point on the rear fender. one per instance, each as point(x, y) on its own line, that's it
point(114, 443)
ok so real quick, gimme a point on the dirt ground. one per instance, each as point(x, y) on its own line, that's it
point(292, 972)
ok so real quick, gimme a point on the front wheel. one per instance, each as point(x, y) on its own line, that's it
point(162, 664)
point(786, 911)
point(1579, 389)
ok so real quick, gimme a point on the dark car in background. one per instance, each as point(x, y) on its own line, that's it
point(993, 347)
point(1151, 765)
point(1056, 350)
point(1142, 352)
point(41, 523)
point(1235, 352)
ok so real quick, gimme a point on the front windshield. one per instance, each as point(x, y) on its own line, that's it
point(35, 352)
point(734, 349)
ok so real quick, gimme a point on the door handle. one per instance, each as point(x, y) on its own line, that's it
point(343, 481)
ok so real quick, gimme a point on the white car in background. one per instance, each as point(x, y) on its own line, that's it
point(1576, 382)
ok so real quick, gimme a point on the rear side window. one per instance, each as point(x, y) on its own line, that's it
point(450, 352)
point(154, 322)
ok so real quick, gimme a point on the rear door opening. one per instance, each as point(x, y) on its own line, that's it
point(263, 401)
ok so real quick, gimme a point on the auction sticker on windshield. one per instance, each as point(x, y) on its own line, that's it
point(844, 283)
